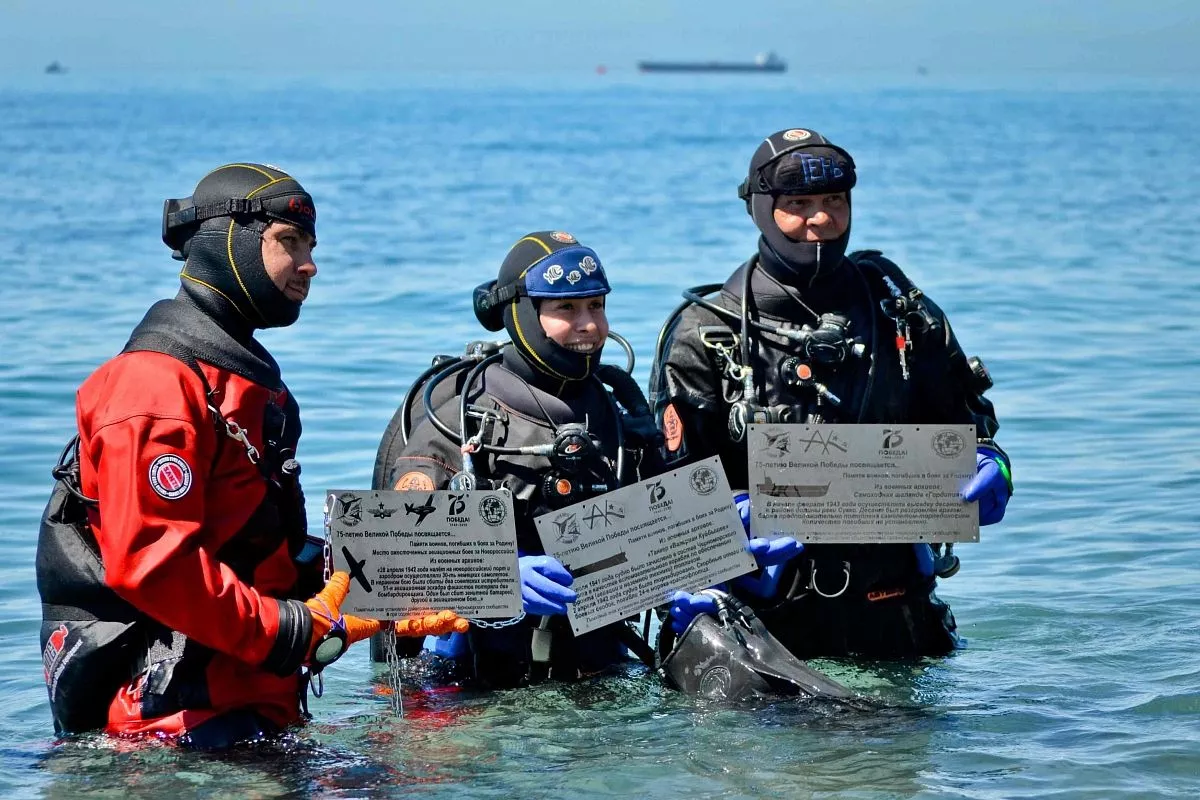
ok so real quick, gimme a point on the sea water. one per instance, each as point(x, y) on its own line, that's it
point(1056, 225)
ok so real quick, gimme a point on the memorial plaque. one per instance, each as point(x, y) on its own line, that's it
point(415, 551)
point(629, 549)
point(862, 483)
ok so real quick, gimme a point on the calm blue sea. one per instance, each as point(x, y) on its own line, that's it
point(1057, 226)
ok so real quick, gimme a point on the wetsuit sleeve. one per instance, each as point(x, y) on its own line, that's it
point(686, 396)
point(152, 471)
point(947, 386)
point(429, 460)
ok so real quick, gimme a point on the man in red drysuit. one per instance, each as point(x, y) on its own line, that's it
point(176, 575)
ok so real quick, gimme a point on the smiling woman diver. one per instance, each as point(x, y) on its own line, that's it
point(542, 417)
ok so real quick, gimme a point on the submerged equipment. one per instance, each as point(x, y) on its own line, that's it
point(732, 657)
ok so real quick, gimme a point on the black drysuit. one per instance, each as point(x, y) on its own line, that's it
point(888, 607)
point(520, 399)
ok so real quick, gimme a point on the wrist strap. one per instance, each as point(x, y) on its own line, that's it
point(989, 446)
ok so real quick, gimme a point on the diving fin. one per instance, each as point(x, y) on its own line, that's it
point(733, 657)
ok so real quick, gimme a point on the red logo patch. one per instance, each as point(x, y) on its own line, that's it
point(302, 208)
point(53, 649)
point(672, 427)
point(170, 477)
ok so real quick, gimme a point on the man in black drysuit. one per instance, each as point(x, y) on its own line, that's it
point(878, 352)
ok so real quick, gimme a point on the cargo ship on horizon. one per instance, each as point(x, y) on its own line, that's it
point(764, 62)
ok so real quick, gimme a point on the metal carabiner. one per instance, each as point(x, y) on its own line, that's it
point(238, 434)
point(327, 545)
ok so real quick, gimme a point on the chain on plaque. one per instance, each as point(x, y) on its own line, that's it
point(327, 545)
point(393, 668)
point(505, 623)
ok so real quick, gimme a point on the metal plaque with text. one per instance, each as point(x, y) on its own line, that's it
point(629, 549)
point(416, 551)
point(862, 483)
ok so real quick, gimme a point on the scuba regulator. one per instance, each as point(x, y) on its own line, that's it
point(577, 467)
point(829, 345)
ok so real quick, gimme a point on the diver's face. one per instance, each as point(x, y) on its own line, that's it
point(576, 323)
point(287, 256)
point(812, 217)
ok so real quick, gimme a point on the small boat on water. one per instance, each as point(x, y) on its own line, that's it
point(764, 62)
point(55, 68)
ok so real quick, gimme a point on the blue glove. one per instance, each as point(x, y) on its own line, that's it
point(991, 485)
point(686, 607)
point(766, 583)
point(924, 556)
point(448, 645)
point(742, 501)
point(544, 583)
point(766, 552)
point(769, 552)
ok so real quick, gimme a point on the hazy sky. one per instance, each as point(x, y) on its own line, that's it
point(1114, 37)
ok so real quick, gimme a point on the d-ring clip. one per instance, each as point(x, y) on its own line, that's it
point(839, 592)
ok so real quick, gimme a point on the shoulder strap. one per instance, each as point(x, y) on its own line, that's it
point(66, 469)
point(884, 268)
point(637, 645)
point(170, 346)
point(905, 299)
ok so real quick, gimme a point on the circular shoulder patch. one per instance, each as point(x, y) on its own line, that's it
point(563, 236)
point(796, 135)
point(414, 481)
point(170, 476)
point(672, 428)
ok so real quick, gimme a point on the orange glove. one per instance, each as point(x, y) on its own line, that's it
point(334, 632)
point(433, 624)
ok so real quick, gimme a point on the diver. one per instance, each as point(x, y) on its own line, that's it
point(542, 417)
point(181, 595)
point(805, 333)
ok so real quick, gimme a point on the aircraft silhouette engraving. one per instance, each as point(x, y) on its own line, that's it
point(349, 509)
point(355, 567)
point(568, 528)
point(422, 511)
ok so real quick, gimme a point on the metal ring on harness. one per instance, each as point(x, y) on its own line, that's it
point(839, 592)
